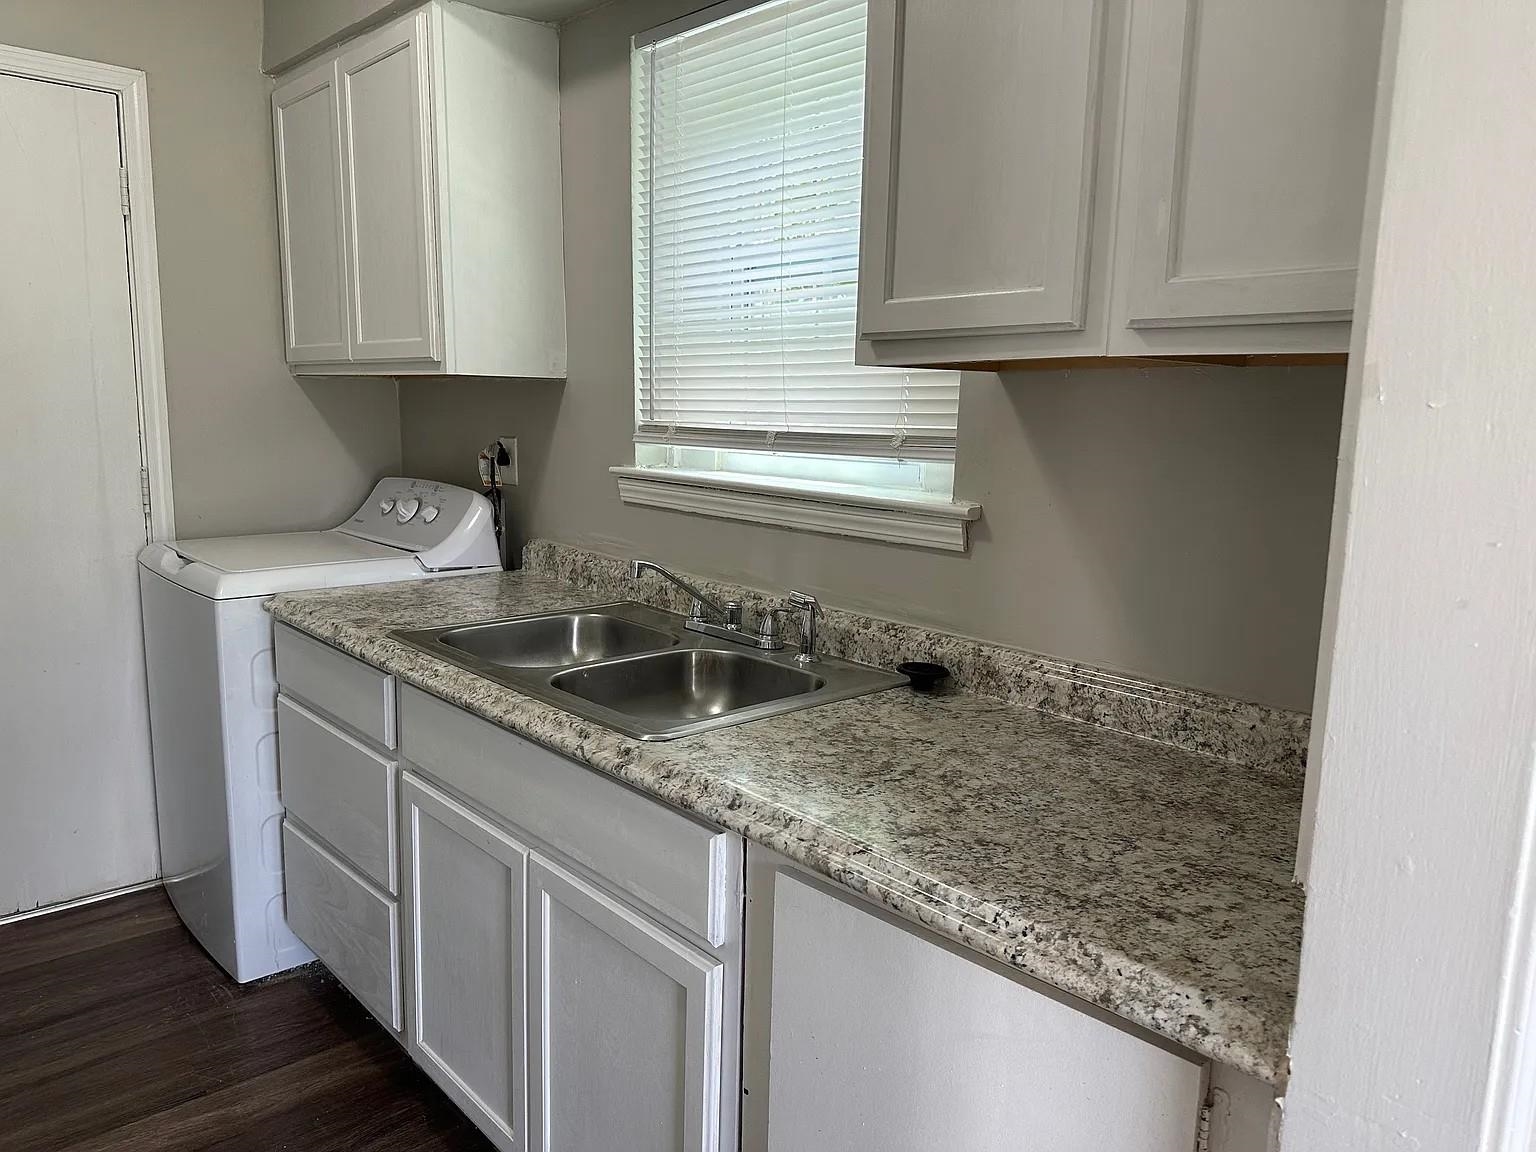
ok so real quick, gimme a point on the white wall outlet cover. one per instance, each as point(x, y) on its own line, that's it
point(509, 469)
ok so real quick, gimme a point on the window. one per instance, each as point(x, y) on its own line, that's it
point(746, 166)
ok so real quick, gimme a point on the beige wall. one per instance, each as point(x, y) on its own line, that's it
point(251, 449)
point(1172, 523)
point(294, 28)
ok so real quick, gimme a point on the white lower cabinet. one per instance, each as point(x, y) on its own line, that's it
point(335, 729)
point(883, 1040)
point(569, 957)
point(865, 1034)
point(463, 899)
point(625, 1043)
point(572, 948)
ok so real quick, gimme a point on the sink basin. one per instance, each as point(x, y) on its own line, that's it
point(556, 641)
point(685, 684)
point(640, 671)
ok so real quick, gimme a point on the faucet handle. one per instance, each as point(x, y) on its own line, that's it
point(770, 632)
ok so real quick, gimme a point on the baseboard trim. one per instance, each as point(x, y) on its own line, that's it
point(78, 902)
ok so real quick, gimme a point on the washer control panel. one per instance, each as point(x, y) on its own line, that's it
point(442, 523)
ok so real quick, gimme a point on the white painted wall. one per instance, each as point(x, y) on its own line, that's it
point(253, 450)
point(1417, 954)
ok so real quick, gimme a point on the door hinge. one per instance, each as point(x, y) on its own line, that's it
point(122, 180)
point(1203, 1130)
point(144, 487)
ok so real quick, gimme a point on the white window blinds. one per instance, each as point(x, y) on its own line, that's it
point(747, 155)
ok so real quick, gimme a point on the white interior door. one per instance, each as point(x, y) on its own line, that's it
point(78, 815)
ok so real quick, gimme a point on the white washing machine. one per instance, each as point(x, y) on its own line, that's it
point(213, 695)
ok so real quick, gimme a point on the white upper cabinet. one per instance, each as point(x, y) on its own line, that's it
point(1044, 178)
point(1003, 91)
point(305, 127)
point(1248, 133)
point(419, 200)
point(385, 133)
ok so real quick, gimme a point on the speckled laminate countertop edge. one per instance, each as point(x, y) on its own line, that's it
point(1222, 1028)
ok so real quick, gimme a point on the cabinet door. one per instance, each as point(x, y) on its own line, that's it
point(884, 1039)
point(305, 134)
point(464, 959)
point(625, 1025)
point(978, 157)
point(1247, 139)
point(392, 251)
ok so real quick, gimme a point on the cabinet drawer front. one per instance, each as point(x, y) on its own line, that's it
point(677, 864)
point(354, 929)
point(339, 787)
point(345, 689)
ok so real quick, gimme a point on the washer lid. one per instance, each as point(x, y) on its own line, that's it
point(234, 568)
point(235, 554)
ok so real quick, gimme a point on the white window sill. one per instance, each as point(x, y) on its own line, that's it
point(807, 505)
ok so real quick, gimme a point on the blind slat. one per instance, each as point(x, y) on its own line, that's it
point(747, 163)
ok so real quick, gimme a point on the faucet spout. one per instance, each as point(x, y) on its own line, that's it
point(638, 568)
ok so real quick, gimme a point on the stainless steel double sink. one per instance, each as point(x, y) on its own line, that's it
point(638, 671)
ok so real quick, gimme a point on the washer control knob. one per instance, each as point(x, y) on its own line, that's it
point(406, 508)
point(429, 513)
point(386, 506)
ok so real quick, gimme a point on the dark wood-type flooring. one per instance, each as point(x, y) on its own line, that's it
point(118, 1032)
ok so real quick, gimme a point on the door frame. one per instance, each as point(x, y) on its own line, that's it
point(131, 87)
point(1416, 1007)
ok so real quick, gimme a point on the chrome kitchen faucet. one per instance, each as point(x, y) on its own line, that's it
point(728, 623)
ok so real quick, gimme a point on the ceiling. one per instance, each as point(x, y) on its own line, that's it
point(293, 30)
point(550, 11)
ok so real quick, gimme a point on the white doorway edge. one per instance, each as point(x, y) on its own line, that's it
point(131, 87)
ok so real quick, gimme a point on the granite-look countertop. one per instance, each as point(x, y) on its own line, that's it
point(1153, 882)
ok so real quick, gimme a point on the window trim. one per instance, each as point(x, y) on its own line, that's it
point(889, 515)
point(808, 506)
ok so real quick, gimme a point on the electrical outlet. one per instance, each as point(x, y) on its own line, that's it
point(509, 469)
